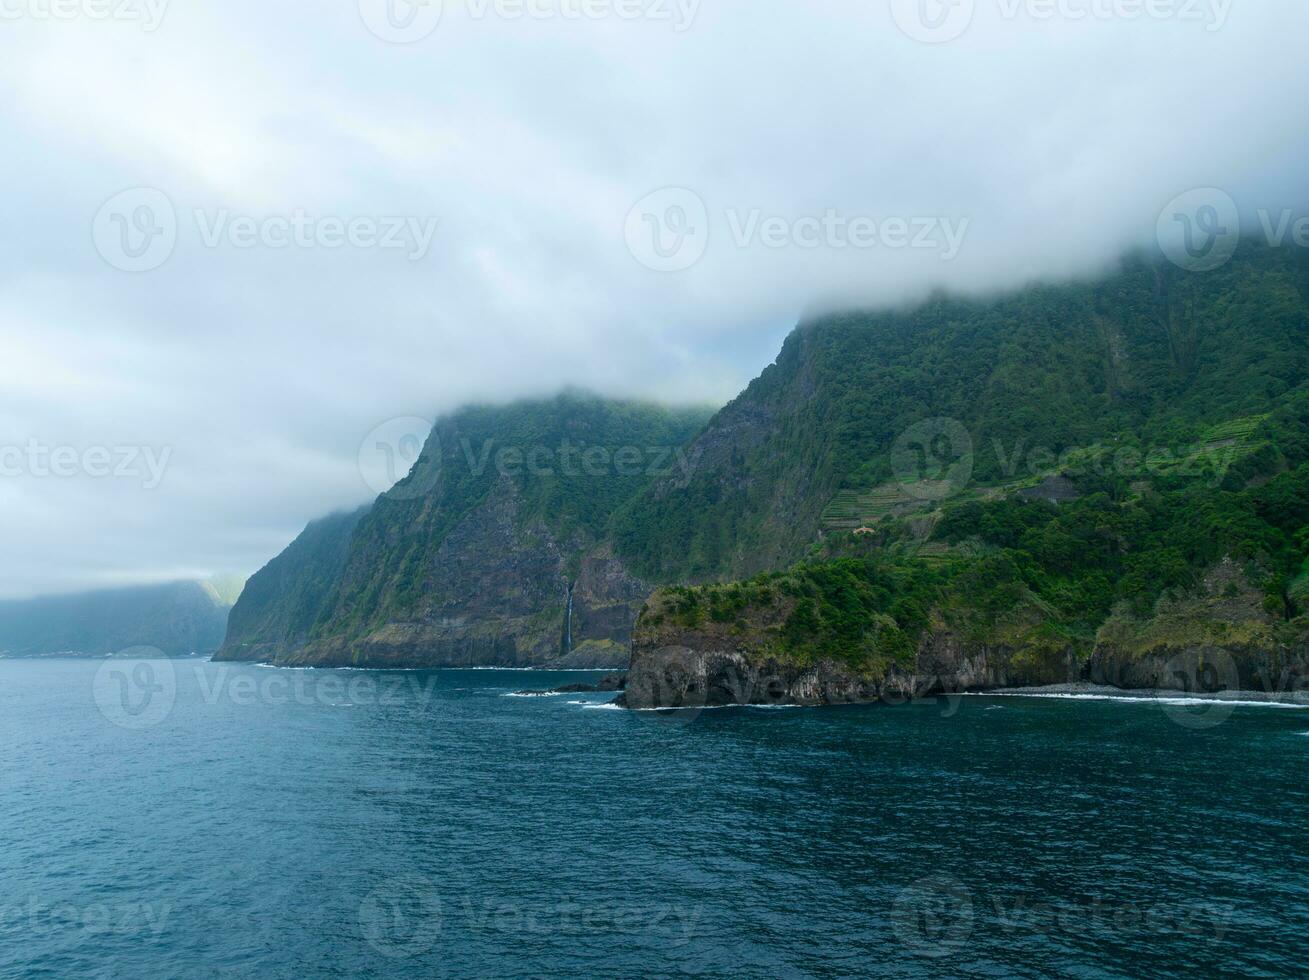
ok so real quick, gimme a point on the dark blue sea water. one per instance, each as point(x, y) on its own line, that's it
point(247, 821)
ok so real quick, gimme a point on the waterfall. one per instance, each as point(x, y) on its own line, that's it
point(568, 622)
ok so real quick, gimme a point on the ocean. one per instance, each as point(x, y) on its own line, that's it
point(190, 819)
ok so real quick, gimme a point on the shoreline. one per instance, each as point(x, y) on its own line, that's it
point(1102, 692)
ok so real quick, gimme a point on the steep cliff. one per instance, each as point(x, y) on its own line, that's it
point(280, 605)
point(1221, 636)
point(1037, 489)
point(861, 404)
point(491, 552)
point(1026, 466)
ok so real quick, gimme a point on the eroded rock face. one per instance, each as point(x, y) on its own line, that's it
point(1220, 639)
point(699, 674)
point(495, 593)
point(683, 677)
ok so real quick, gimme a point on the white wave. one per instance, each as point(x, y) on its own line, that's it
point(530, 694)
point(1168, 699)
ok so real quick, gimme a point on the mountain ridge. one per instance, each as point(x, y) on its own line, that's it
point(853, 444)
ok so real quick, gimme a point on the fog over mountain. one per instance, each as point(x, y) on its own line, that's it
point(239, 238)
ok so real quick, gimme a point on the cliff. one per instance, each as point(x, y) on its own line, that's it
point(492, 552)
point(1008, 476)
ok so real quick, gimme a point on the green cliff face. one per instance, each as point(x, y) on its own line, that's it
point(470, 559)
point(280, 605)
point(1148, 357)
point(976, 487)
point(1109, 449)
point(178, 619)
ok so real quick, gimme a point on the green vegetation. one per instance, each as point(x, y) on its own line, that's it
point(1004, 569)
point(567, 462)
point(1149, 360)
point(1108, 442)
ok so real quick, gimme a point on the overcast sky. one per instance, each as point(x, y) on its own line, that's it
point(177, 189)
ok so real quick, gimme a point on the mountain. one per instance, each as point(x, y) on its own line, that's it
point(1105, 481)
point(1040, 486)
point(179, 619)
point(277, 609)
point(1150, 354)
point(491, 551)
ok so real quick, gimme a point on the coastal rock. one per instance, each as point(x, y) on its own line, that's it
point(746, 661)
point(1221, 638)
point(610, 683)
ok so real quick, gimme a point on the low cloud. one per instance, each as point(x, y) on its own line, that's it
point(517, 152)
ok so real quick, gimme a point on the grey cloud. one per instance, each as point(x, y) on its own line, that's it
point(529, 142)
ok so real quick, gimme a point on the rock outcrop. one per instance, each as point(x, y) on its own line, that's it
point(1220, 639)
